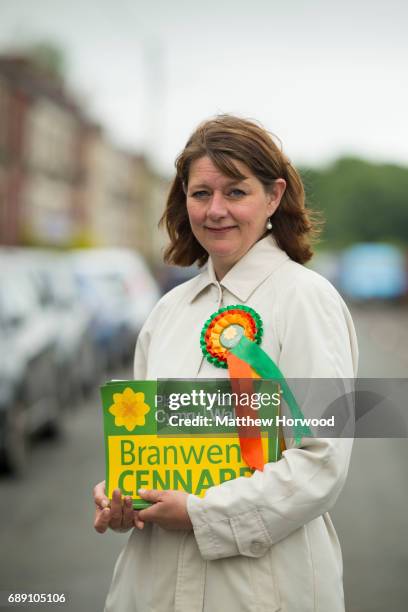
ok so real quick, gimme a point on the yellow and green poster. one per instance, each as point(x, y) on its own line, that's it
point(182, 435)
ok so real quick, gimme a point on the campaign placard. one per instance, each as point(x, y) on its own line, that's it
point(182, 435)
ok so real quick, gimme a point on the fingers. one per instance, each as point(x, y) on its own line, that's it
point(118, 514)
point(102, 518)
point(116, 510)
point(127, 513)
point(99, 496)
point(136, 520)
point(152, 496)
point(170, 510)
point(102, 513)
point(149, 514)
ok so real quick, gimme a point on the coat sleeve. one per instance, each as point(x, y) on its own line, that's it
point(247, 515)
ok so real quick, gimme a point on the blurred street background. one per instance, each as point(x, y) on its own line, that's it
point(96, 101)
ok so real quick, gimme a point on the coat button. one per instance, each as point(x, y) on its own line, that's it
point(257, 547)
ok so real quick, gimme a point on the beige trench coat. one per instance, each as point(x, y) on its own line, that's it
point(264, 543)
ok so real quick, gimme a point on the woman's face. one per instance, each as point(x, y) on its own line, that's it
point(228, 216)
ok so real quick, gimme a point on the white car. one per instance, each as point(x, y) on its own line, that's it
point(117, 283)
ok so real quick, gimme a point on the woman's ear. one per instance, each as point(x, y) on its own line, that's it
point(276, 192)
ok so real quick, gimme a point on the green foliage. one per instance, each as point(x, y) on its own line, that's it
point(361, 201)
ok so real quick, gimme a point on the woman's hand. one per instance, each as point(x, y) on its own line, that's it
point(169, 509)
point(118, 515)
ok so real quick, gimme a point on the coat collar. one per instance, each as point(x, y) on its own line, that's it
point(247, 274)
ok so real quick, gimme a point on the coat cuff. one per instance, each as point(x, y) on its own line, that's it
point(244, 534)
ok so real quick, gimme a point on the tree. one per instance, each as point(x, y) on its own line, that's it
point(361, 201)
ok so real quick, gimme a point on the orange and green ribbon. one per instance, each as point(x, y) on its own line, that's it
point(230, 338)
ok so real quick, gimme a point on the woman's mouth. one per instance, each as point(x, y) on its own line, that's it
point(220, 230)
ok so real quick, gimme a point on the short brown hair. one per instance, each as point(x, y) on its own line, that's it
point(223, 139)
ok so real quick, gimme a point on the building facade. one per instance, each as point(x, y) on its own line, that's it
point(63, 183)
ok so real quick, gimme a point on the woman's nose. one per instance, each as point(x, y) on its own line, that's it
point(217, 205)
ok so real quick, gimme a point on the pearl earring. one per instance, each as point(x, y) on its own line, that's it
point(269, 224)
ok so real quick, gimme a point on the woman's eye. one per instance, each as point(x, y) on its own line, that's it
point(237, 193)
point(200, 195)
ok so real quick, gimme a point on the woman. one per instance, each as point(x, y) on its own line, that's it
point(263, 543)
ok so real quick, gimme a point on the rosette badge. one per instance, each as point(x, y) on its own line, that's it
point(231, 339)
point(224, 330)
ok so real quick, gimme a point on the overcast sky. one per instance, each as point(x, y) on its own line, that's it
point(327, 78)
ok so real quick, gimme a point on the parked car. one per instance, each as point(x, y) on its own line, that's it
point(28, 378)
point(76, 361)
point(118, 287)
point(75, 356)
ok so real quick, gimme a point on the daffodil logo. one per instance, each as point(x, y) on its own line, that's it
point(129, 408)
